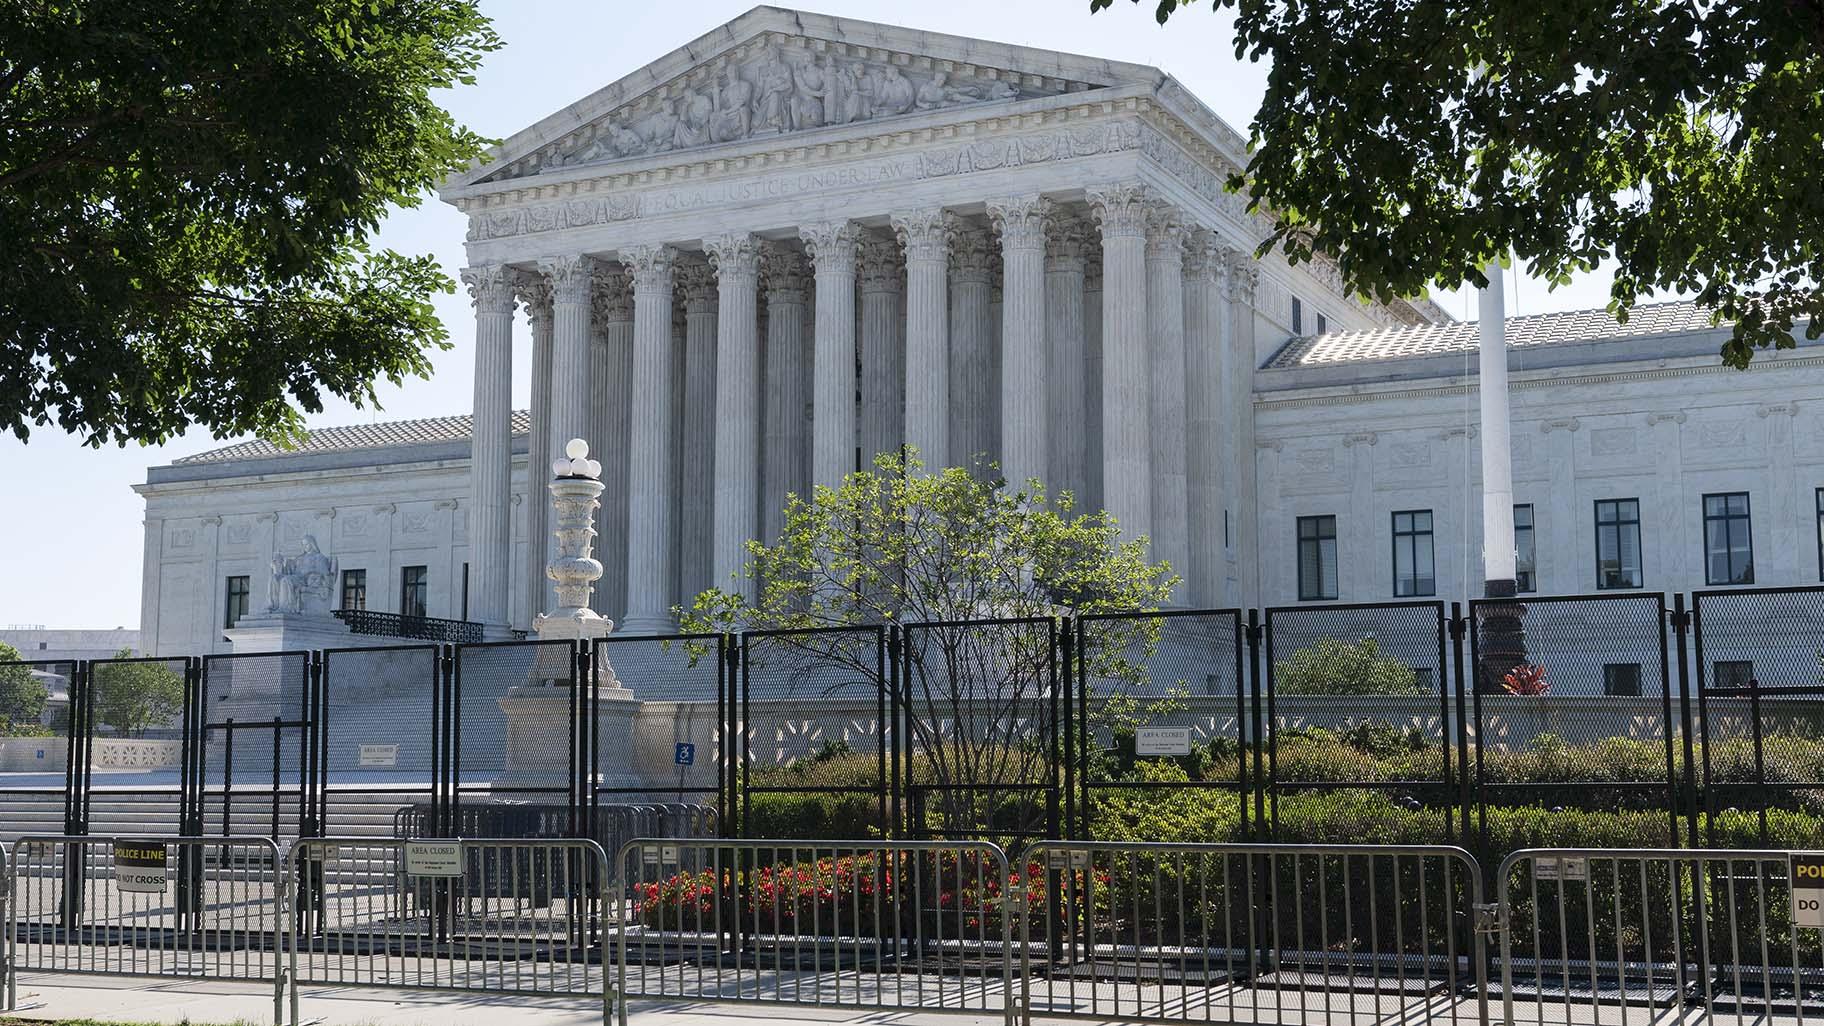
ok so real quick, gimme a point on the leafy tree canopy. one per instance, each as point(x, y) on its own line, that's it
point(1333, 667)
point(186, 191)
point(22, 696)
point(135, 695)
point(1415, 142)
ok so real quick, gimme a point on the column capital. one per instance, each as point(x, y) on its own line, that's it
point(491, 287)
point(612, 295)
point(534, 290)
point(922, 233)
point(698, 283)
point(786, 272)
point(1243, 275)
point(831, 245)
point(1068, 241)
point(971, 249)
point(650, 267)
point(1020, 220)
point(735, 257)
point(880, 267)
point(1164, 232)
point(1120, 208)
point(1203, 256)
point(569, 277)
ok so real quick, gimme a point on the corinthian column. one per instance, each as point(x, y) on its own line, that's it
point(490, 452)
point(1092, 368)
point(534, 290)
point(1205, 398)
point(699, 465)
point(883, 340)
point(1165, 333)
point(1120, 211)
point(785, 467)
point(1243, 279)
point(1021, 222)
point(832, 249)
point(651, 537)
point(614, 403)
point(972, 394)
point(1067, 401)
point(736, 259)
point(569, 278)
point(922, 234)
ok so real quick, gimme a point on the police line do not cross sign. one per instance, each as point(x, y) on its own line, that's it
point(1807, 891)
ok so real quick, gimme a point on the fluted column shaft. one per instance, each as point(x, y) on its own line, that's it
point(972, 392)
point(614, 315)
point(1067, 401)
point(786, 463)
point(1120, 212)
point(883, 340)
point(651, 537)
point(736, 259)
point(1243, 280)
point(1024, 370)
point(1092, 371)
point(1205, 400)
point(922, 233)
point(535, 293)
point(698, 520)
point(833, 250)
point(490, 454)
point(1165, 336)
point(569, 278)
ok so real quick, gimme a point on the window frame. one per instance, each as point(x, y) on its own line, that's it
point(1319, 594)
point(1323, 325)
point(1820, 500)
point(421, 584)
point(1728, 520)
point(1532, 545)
point(1298, 317)
point(353, 579)
point(1413, 533)
point(1617, 525)
point(230, 615)
point(465, 590)
point(1640, 673)
point(1718, 664)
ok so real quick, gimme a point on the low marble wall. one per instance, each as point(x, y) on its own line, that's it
point(48, 754)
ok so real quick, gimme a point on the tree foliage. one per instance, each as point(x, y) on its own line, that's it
point(131, 696)
point(186, 191)
point(982, 569)
point(22, 696)
point(1333, 667)
point(1417, 141)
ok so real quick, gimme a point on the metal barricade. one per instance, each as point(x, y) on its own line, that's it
point(8, 994)
point(164, 906)
point(1240, 933)
point(510, 915)
point(923, 925)
point(1610, 935)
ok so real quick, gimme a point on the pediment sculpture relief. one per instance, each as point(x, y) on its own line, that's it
point(781, 91)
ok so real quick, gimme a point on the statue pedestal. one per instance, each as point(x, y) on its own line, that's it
point(538, 729)
point(289, 632)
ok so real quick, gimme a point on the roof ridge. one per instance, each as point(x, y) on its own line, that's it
point(450, 427)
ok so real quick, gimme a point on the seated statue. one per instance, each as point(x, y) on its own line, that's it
point(302, 583)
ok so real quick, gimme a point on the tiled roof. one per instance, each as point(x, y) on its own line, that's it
point(358, 436)
point(1461, 336)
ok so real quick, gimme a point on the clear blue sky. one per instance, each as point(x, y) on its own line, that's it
point(72, 525)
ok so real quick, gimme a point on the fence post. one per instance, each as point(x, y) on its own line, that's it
point(1459, 627)
point(1681, 627)
point(1064, 655)
point(1256, 781)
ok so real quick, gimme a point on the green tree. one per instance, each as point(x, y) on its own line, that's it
point(135, 695)
point(186, 194)
point(1416, 141)
point(896, 545)
point(1333, 667)
point(22, 696)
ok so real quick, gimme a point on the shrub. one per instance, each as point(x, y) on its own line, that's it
point(1333, 667)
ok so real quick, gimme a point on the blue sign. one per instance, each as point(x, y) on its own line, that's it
point(685, 754)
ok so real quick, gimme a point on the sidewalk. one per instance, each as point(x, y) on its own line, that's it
point(209, 1002)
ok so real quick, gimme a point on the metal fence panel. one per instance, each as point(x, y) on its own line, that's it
point(913, 925)
point(508, 915)
point(1149, 676)
point(815, 728)
point(257, 721)
point(535, 679)
point(1596, 936)
point(1364, 724)
point(1251, 933)
point(684, 675)
point(203, 908)
point(379, 749)
point(42, 786)
point(1599, 735)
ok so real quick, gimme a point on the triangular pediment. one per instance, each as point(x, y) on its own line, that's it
point(773, 73)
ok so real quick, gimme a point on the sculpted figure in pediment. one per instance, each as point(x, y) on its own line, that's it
point(858, 87)
point(809, 87)
point(893, 93)
point(656, 130)
point(733, 118)
point(772, 110)
point(694, 112)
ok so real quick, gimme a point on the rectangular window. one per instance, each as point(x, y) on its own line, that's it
point(1414, 572)
point(1618, 543)
point(465, 591)
point(1298, 316)
point(1820, 494)
point(1728, 539)
point(1727, 673)
point(1621, 679)
point(1323, 325)
point(354, 589)
point(1316, 558)
point(1525, 552)
point(413, 589)
point(234, 600)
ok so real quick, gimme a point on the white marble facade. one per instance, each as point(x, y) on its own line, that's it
point(800, 240)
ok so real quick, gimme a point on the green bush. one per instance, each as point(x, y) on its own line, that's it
point(1333, 667)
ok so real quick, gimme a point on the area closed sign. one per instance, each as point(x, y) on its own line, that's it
point(140, 866)
point(433, 858)
point(1808, 891)
point(1162, 741)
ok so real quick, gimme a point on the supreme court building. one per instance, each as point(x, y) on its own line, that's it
point(802, 240)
